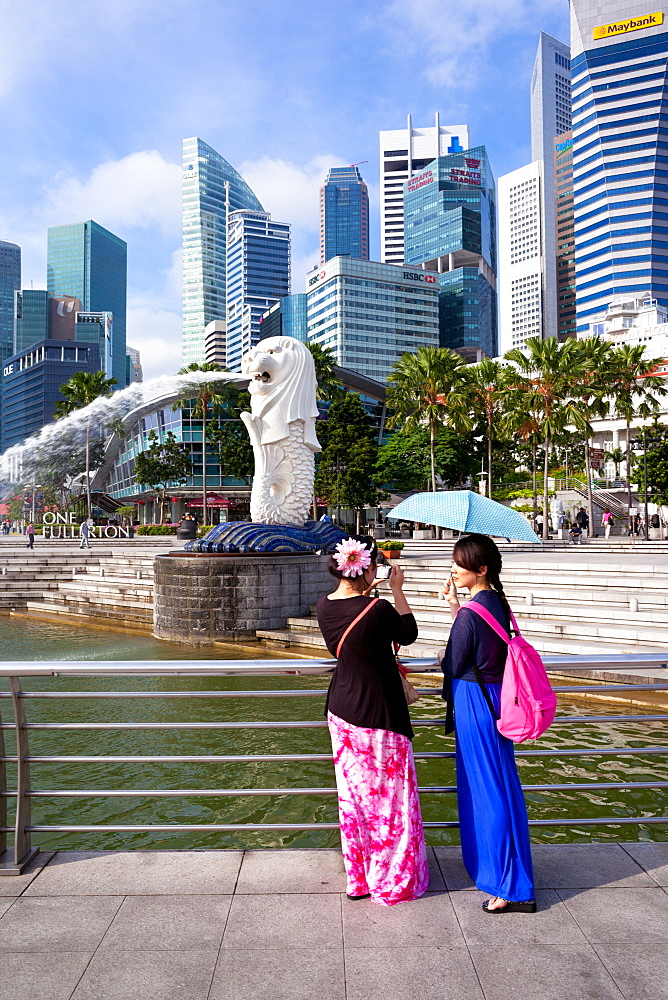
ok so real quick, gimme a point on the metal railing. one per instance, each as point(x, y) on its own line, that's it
point(14, 860)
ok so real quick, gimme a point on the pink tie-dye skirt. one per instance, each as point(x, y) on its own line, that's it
point(379, 810)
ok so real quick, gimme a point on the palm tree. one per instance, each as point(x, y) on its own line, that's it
point(617, 457)
point(543, 390)
point(82, 389)
point(429, 387)
point(329, 386)
point(204, 394)
point(592, 390)
point(634, 391)
point(489, 383)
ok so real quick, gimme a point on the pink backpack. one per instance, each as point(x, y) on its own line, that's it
point(528, 703)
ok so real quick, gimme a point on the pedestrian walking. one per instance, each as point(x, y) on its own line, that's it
point(582, 518)
point(30, 535)
point(493, 822)
point(382, 838)
point(84, 532)
point(607, 523)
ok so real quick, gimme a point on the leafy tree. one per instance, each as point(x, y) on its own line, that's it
point(430, 389)
point(82, 389)
point(489, 383)
point(164, 463)
point(542, 399)
point(204, 394)
point(634, 391)
point(346, 473)
point(329, 386)
point(228, 436)
point(657, 463)
point(404, 461)
point(592, 392)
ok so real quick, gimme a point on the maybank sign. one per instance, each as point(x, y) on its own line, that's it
point(633, 24)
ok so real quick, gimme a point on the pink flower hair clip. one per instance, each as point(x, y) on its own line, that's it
point(352, 557)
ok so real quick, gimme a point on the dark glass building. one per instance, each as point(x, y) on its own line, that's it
point(450, 228)
point(344, 215)
point(10, 283)
point(90, 263)
point(286, 319)
point(31, 384)
point(563, 211)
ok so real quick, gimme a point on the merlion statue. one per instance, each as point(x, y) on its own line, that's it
point(281, 427)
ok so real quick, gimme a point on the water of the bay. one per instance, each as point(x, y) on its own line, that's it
point(24, 639)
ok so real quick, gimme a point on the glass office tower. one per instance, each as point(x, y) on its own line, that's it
point(10, 282)
point(344, 215)
point(90, 263)
point(210, 183)
point(286, 318)
point(258, 275)
point(620, 177)
point(563, 207)
point(450, 228)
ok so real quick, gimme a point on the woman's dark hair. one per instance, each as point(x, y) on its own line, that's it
point(473, 551)
point(368, 543)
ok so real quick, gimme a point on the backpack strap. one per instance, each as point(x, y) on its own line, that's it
point(491, 620)
point(354, 623)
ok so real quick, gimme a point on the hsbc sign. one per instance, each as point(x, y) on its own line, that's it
point(316, 278)
point(428, 279)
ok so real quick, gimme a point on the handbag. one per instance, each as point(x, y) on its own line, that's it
point(410, 693)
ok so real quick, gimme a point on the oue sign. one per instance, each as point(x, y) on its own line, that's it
point(66, 526)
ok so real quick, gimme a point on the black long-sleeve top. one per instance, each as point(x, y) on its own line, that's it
point(473, 641)
point(366, 689)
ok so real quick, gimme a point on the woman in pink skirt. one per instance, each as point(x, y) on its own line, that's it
point(379, 808)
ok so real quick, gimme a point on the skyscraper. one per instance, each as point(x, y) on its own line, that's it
point(620, 91)
point(450, 224)
point(563, 186)
point(86, 261)
point(344, 215)
point(550, 117)
point(10, 282)
point(286, 318)
point(521, 264)
point(403, 153)
point(258, 275)
point(210, 183)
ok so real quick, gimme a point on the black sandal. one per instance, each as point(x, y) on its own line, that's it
point(512, 906)
point(367, 895)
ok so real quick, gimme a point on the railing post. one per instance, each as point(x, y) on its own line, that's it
point(23, 853)
point(3, 798)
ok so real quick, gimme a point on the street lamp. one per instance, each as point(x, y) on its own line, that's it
point(644, 441)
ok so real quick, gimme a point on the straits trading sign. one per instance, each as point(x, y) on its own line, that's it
point(421, 180)
point(633, 24)
point(470, 174)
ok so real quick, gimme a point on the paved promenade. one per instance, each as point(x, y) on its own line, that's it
point(275, 925)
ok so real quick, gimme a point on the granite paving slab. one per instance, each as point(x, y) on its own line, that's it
point(436, 880)
point(156, 975)
point(294, 974)
point(419, 923)
point(411, 974)
point(543, 972)
point(551, 924)
point(57, 923)
point(43, 977)
point(619, 915)
point(640, 970)
point(455, 875)
point(653, 858)
point(291, 871)
point(585, 866)
point(311, 920)
point(15, 885)
point(138, 873)
point(5, 903)
point(168, 923)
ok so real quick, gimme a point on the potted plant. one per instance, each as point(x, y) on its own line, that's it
point(391, 548)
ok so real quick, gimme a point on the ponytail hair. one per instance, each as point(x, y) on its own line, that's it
point(474, 551)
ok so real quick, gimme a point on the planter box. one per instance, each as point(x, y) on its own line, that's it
point(391, 553)
point(423, 533)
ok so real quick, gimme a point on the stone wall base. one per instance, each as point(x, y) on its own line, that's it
point(200, 598)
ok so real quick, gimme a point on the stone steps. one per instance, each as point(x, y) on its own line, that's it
point(120, 616)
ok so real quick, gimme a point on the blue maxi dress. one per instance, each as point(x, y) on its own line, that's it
point(492, 812)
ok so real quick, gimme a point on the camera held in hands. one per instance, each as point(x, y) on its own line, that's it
point(383, 572)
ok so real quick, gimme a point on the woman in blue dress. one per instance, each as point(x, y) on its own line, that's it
point(492, 812)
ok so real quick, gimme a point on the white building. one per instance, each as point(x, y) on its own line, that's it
point(550, 117)
point(403, 153)
point(369, 314)
point(521, 263)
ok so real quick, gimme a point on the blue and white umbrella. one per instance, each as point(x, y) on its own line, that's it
point(464, 510)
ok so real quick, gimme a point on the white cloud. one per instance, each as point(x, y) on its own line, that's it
point(289, 191)
point(142, 190)
point(156, 334)
point(457, 37)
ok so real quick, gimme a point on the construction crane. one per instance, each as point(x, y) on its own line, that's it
point(359, 164)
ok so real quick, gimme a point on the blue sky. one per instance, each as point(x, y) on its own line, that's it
point(96, 95)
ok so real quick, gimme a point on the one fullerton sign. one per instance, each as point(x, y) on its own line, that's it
point(66, 526)
point(632, 24)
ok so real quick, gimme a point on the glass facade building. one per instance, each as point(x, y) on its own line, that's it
point(31, 384)
point(258, 275)
point(88, 262)
point(620, 154)
point(344, 215)
point(210, 184)
point(450, 228)
point(563, 207)
point(369, 314)
point(286, 319)
point(10, 283)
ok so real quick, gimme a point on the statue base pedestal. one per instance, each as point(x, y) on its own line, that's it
point(203, 598)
